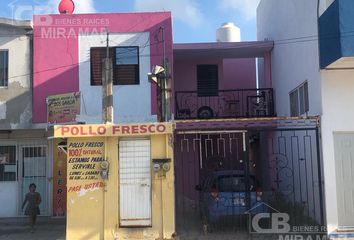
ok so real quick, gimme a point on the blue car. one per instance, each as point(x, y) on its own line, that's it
point(223, 193)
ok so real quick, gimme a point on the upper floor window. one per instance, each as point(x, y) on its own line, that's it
point(207, 80)
point(125, 65)
point(4, 68)
point(299, 100)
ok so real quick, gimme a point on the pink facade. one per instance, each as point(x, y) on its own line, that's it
point(56, 49)
point(236, 64)
point(233, 73)
point(237, 94)
point(239, 73)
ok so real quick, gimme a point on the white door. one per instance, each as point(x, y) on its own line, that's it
point(134, 183)
point(344, 159)
point(34, 170)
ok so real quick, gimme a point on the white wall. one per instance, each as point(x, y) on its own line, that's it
point(132, 103)
point(8, 199)
point(292, 25)
point(338, 115)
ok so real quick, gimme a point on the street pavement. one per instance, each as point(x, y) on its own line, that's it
point(46, 229)
point(54, 229)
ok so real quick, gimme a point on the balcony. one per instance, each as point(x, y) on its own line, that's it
point(336, 39)
point(239, 103)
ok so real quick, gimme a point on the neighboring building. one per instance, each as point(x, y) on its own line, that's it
point(24, 149)
point(15, 75)
point(312, 74)
point(215, 86)
point(228, 128)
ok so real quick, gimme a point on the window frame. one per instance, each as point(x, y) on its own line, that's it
point(137, 70)
point(113, 54)
point(5, 82)
point(15, 161)
point(301, 100)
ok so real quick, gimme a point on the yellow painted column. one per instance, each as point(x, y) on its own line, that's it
point(111, 197)
point(85, 189)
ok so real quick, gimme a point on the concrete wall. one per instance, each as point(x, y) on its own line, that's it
point(16, 99)
point(293, 27)
point(338, 115)
point(127, 106)
point(57, 57)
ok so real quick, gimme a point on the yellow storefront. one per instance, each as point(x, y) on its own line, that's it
point(120, 181)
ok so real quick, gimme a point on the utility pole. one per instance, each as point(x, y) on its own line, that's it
point(165, 84)
point(107, 86)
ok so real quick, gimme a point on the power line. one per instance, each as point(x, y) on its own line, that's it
point(146, 44)
point(276, 41)
point(77, 64)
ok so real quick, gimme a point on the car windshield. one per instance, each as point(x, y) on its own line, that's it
point(233, 183)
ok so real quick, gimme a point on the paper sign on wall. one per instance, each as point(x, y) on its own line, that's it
point(63, 108)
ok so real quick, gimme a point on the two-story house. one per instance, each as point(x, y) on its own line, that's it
point(69, 50)
point(233, 154)
point(312, 73)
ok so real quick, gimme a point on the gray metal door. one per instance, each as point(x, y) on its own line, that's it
point(344, 158)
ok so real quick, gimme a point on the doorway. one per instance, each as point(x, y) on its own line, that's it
point(135, 183)
point(34, 170)
point(344, 158)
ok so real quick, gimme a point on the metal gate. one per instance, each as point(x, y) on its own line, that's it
point(34, 170)
point(225, 178)
point(134, 183)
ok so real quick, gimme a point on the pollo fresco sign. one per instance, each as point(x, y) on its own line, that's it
point(101, 130)
point(63, 108)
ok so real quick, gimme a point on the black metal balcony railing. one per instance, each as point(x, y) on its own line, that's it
point(239, 103)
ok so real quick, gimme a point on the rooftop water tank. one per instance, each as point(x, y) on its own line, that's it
point(228, 32)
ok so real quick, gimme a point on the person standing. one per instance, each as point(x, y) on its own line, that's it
point(33, 199)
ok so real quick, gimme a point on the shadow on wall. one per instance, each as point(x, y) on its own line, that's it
point(18, 109)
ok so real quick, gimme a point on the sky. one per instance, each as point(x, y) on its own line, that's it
point(193, 20)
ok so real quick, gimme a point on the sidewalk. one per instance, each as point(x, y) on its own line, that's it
point(46, 229)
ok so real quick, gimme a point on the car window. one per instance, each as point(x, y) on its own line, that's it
point(234, 183)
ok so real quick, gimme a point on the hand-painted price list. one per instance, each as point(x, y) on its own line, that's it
point(84, 159)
